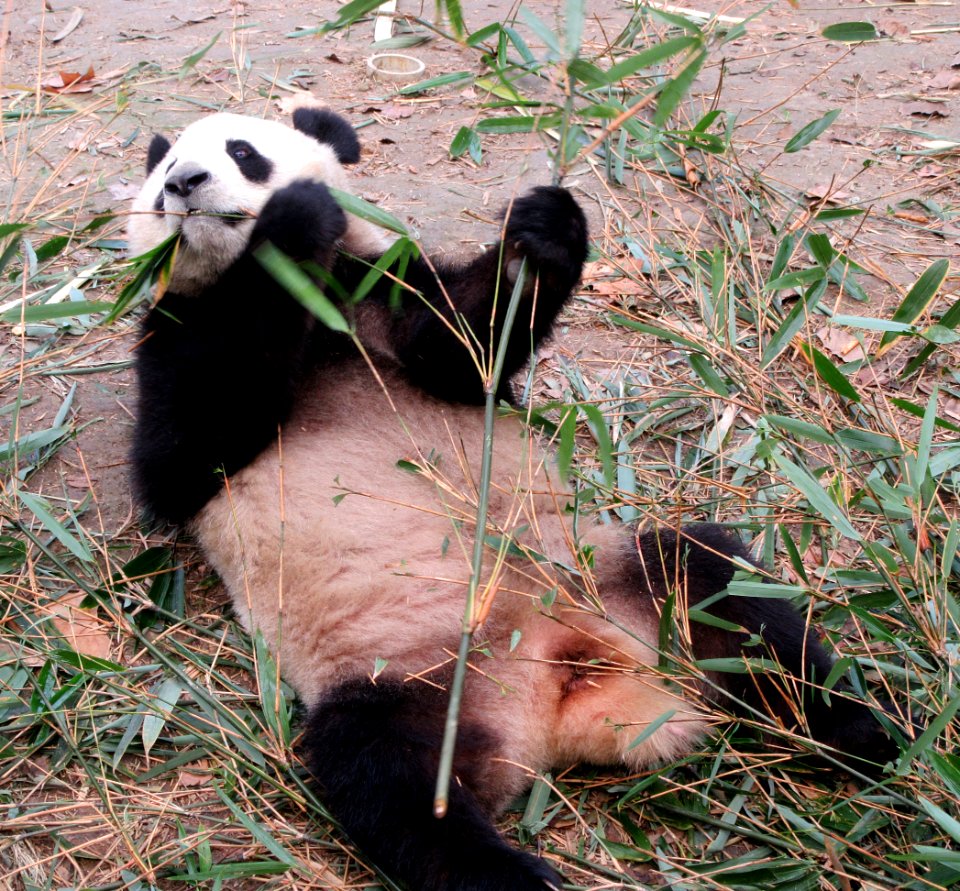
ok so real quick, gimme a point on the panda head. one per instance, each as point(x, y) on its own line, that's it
point(213, 181)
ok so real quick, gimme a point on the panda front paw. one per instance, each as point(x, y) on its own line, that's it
point(548, 229)
point(303, 220)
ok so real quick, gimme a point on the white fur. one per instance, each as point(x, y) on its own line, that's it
point(334, 584)
point(211, 245)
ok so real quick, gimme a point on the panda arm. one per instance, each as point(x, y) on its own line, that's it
point(547, 228)
point(218, 370)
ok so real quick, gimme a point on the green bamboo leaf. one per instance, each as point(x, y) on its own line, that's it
point(484, 33)
point(817, 498)
point(950, 320)
point(851, 32)
point(259, 831)
point(369, 212)
point(441, 80)
point(46, 311)
point(799, 279)
point(948, 824)
point(925, 441)
point(301, 287)
point(676, 89)
point(647, 58)
point(9, 228)
point(917, 300)
point(543, 32)
point(537, 801)
point(455, 14)
point(832, 376)
point(819, 246)
point(575, 13)
point(929, 735)
point(601, 434)
point(518, 123)
point(41, 510)
point(466, 140)
point(656, 331)
point(193, 59)
point(708, 374)
point(798, 428)
point(165, 697)
point(805, 135)
point(567, 429)
point(793, 322)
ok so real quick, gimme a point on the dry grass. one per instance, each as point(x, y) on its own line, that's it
point(146, 742)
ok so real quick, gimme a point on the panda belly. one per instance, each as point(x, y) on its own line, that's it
point(347, 545)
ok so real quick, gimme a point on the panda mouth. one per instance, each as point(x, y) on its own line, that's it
point(228, 218)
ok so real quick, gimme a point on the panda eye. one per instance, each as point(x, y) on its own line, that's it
point(240, 150)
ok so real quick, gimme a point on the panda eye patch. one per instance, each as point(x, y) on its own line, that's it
point(254, 166)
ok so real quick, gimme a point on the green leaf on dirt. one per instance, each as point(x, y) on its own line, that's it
point(851, 32)
point(805, 135)
point(917, 300)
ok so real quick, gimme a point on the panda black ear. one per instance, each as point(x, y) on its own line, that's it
point(331, 129)
point(159, 146)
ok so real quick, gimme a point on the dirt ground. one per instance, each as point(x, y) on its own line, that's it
point(897, 97)
point(886, 153)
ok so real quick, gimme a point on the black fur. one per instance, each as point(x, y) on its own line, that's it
point(328, 127)
point(159, 146)
point(698, 564)
point(218, 373)
point(254, 166)
point(374, 750)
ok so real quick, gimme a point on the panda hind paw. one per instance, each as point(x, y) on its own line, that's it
point(548, 228)
point(303, 220)
point(506, 870)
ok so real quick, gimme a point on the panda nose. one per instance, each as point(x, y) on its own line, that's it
point(185, 180)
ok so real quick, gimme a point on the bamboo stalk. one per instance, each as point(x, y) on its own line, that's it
point(440, 798)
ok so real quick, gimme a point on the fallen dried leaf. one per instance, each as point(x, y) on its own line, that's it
point(826, 192)
point(840, 343)
point(893, 27)
point(945, 80)
point(192, 776)
point(924, 109)
point(75, 18)
point(70, 82)
point(81, 628)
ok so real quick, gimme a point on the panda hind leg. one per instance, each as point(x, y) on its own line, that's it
point(373, 750)
point(699, 562)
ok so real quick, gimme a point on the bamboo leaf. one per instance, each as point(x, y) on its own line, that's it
point(805, 135)
point(917, 300)
point(817, 498)
point(41, 510)
point(676, 89)
point(851, 32)
point(441, 80)
point(949, 320)
point(369, 212)
point(793, 322)
point(647, 58)
point(300, 286)
point(828, 372)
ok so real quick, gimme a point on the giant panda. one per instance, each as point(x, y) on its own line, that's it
point(334, 489)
